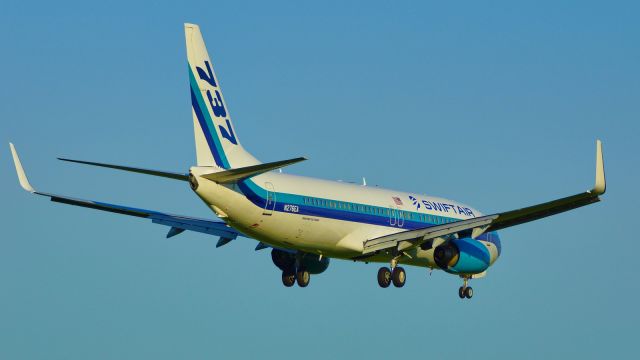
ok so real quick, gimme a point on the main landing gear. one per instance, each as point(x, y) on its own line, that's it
point(302, 277)
point(465, 291)
point(397, 276)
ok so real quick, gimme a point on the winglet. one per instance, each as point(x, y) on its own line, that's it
point(22, 177)
point(601, 184)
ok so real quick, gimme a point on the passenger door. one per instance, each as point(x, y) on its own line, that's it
point(270, 204)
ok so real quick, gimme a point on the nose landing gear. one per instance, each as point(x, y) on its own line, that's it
point(465, 291)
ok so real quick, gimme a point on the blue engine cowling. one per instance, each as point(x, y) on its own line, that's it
point(286, 262)
point(465, 256)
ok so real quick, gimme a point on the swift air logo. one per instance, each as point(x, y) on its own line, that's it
point(415, 201)
point(217, 105)
point(441, 207)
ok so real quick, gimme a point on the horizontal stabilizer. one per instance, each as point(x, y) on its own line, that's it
point(170, 175)
point(235, 175)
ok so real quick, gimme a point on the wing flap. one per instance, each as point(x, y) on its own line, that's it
point(418, 236)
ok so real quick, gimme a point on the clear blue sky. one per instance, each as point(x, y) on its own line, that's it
point(497, 104)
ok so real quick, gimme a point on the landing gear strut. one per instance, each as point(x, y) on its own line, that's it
point(465, 291)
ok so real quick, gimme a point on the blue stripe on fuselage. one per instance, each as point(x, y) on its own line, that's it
point(258, 196)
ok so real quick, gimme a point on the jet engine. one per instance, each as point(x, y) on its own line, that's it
point(465, 256)
point(286, 262)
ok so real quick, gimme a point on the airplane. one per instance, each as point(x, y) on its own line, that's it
point(307, 221)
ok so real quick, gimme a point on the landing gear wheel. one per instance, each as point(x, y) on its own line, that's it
point(468, 292)
point(303, 277)
point(288, 279)
point(398, 276)
point(384, 277)
point(461, 292)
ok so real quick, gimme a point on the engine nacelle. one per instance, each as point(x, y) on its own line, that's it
point(465, 256)
point(286, 262)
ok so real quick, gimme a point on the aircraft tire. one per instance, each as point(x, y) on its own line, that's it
point(461, 292)
point(384, 277)
point(288, 279)
point(303, 277)
point(398, 276)
point(468, 292)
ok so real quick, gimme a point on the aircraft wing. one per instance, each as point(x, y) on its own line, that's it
point(177, 223)
point(477, 226)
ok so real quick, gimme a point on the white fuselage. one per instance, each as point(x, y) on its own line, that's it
point(330, 218)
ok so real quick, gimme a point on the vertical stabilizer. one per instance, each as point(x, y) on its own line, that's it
point(217, 142)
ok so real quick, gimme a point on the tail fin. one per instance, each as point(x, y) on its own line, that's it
point(217, 143)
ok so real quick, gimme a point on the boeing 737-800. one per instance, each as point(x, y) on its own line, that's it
point(306, 221)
